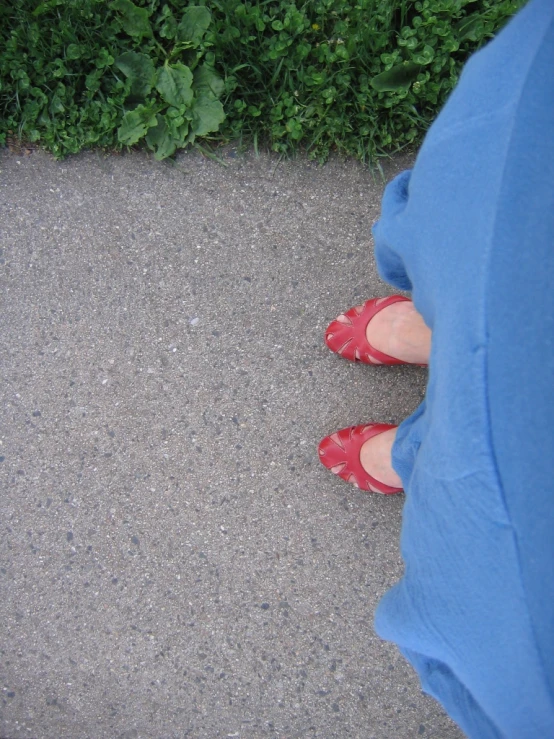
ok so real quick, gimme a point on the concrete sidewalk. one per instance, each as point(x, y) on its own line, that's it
point(175, 561)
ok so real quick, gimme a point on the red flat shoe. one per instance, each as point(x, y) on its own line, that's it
point(346, 335)
point(340, 453)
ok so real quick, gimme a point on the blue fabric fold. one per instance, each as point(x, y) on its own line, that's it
point(470, 231)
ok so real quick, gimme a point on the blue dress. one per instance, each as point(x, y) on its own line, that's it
point(470, 231)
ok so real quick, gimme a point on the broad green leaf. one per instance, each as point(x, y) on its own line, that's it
point(169, 28)
point(174, 84)
point(470, 27)
point(399, 77)
point(139, 68)
point(176, 114)
point(160, 140)
point(178, 129)
point(134, 20)
point(135, 124)
point(207, 83)
point(194, 24)
point(56, 106)
point(207, 115)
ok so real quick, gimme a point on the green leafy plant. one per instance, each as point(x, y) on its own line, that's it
point(171, 106)
point(359, 76)
point(107, 74)
point(362, 77)
point(50, 81)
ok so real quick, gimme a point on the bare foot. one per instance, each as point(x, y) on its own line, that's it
point(375, 456)
point(399, 331)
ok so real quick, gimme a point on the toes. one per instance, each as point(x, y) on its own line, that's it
point(344, 347)
point(336, 438)
point(368, 427)
point(343, 319)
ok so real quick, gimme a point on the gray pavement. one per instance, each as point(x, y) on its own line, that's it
point(175, 560)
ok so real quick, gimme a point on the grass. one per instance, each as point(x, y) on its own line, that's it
point(362, 77)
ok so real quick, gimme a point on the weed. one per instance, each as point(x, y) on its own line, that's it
point(81, 73)
point(359, 76)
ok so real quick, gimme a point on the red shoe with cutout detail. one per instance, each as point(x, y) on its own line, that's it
point(340, 453)
point(346, 335)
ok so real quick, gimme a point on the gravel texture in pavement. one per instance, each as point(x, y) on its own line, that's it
point(175, 561)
